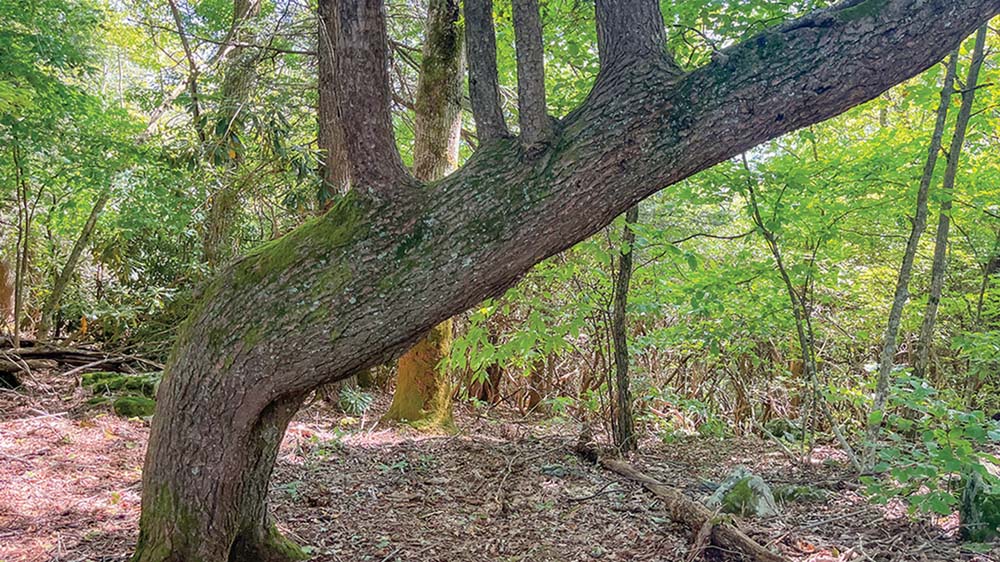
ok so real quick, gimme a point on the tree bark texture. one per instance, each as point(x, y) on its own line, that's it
point(536, 126)
point(902, 294)
point(334, 168)
point(362, 94)
point(944, 215)
point(364, 282)
point(484, 88)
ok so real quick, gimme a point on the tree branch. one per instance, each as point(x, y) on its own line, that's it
point(630, 31)
point(362, 90)
point(333, 168)
point(536, 127)
point(484, 90)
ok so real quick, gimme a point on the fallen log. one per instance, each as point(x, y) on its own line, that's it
point(696, 516)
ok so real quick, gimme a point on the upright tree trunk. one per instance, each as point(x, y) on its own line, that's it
point(906, 268)
point(24, 219)
point(423, 389)
point(944, 215)
point(51, 305)
point(624, 423)
point(363, 283)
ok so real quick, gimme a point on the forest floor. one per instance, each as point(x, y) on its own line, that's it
point(503, 488)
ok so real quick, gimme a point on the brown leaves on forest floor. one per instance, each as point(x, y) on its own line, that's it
point(355, 490)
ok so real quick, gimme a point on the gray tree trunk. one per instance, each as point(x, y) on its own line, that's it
point(944, 215)
point(902, 293)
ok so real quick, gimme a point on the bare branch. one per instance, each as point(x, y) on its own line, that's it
point(536, 126)
point(484, 90)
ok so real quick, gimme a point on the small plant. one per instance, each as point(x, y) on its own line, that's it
point(933, 449)
point(354, 401)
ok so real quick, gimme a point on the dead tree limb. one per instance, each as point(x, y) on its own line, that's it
point(696, 516)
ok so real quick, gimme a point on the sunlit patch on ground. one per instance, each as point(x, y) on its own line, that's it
point(354, 489)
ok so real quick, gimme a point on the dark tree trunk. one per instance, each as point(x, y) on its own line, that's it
point(334, 168)
point(923, 346)
point(624, 424)
point(484, 89)
point(362, 283)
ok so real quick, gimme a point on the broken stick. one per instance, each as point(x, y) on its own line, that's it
point(696, 516)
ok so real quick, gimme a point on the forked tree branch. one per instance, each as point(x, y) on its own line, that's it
point(484, 89)
point(536, 126)
point(363, 97)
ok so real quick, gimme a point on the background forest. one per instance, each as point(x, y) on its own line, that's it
point(146, 144)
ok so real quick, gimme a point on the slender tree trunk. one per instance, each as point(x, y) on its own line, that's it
point(944, 215)
point(484, 89)
point(423, 388)
point(803, 324)
point(624, 426)
point(536, 126)
point(906, 268)
point(23, 240)
point(51, 306)
point(363, 283)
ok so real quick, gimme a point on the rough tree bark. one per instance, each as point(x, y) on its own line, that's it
point(536, 126)
point(362, 283)
point(902, 293)
point(484, 89)
point(423, 389)
point(944, 214)
point(624, 424)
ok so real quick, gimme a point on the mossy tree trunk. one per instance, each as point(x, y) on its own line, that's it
point(423, 386)
point(364, 282)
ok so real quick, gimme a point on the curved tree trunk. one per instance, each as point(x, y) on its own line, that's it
point(423, 389)
point(364, 282)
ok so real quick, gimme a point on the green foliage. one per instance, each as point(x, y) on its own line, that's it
point(932, 447)
point(354, 401)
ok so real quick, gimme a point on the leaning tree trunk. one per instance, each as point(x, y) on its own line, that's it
point(944, 215)
point(423, 389)
point(364, 282)
point(51, 305)
point(902, 293)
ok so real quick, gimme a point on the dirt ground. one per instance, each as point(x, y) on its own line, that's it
point(502, 488)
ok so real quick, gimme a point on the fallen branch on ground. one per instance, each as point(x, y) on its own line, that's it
point(696, 516)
